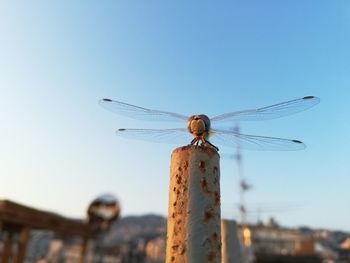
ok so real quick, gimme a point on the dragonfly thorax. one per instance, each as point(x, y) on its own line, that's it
point(198, 125)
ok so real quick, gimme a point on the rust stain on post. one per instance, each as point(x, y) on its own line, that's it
point(194, 206)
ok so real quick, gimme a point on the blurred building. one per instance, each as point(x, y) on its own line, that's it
point(272, 239)
point(52, 238)
point(155, 249)
point(272, 243)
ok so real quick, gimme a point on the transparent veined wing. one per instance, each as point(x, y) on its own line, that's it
point(171, 136)
point(267, 113)
point(140, 113)
point(253, 142)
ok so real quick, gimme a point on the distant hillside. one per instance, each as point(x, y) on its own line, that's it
point(133, 228)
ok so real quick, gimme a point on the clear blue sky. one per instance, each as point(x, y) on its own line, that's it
point(58, 149)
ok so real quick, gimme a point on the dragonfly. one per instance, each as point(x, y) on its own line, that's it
point(204, 131)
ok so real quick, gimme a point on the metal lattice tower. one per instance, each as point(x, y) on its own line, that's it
point(243, 186)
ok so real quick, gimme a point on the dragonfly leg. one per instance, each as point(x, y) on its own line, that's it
point(204, 142)
point(194, 141)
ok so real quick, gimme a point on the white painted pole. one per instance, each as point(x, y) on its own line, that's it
point(193, 234)
point(231, 247)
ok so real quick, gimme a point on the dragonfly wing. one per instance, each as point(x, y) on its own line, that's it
point(140, 113)
point(270, 112)
point(157, 135)
point(253, 142)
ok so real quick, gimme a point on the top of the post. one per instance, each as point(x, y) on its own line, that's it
point(194, 148)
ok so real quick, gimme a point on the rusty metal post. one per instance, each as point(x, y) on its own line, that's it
point(83, 250)
point(7, 248)
point(193, 233)
point(231, 247)
point(22, 246)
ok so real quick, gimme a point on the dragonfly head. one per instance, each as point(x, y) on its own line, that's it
point(198, 124)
